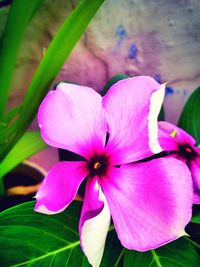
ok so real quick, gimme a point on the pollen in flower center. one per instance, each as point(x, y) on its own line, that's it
point(98, 165)
point(187, 152)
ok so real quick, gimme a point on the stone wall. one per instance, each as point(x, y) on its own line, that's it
point(136, 37)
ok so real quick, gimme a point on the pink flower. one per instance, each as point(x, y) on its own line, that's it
point(182, 146)
point(149, 204)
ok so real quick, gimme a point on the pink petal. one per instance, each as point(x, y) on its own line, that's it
point(195, 171)
point(72, 118)
point(171, 136)
point(150, 202)
point(60, 186)
point(196, 197)
point(94, 222)
point(132, 106)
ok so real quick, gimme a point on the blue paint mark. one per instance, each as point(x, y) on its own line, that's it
point(185, 92)
point(169, 90)
point(157, 77)
point(121, 32)
point(132, 54)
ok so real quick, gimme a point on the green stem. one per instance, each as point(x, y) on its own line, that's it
point(119, 258)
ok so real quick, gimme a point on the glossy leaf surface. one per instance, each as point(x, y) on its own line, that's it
point(28, 238)
point(190, 116)
point(180, 253)
point(29, 144)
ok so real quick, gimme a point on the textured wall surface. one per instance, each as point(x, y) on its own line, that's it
point(136, 37)
point(158, 38)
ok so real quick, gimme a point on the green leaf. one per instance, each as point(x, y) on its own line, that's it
point(56, 54)
point(28, 238)
point(196, 214)
point(28, 145)
point(196, 218)
point(161, 116)
point(112, 81)
point(180, 253)
point(11, 115)
point(19, 15)
point(193, 228)
point(113, 250)
point(190, 116)
point(31, 239)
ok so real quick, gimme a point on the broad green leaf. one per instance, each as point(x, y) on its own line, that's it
point(29, 144)
point(28, 238)
point(34, 239)
point(19, 15)
point(180, 253)
point(31, 239)
point(55, 56)
point(190, 116)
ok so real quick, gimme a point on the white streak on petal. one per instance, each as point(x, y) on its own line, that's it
point(94, 233)
point(44, 210)
point(155, 105)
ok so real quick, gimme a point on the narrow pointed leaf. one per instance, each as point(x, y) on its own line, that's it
point(29, 144)
point(20, 13)
point(56, 54)
point(190, 116)
point(12, 115)
point(58, 51)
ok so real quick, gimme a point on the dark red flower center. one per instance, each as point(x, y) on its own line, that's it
point(98, 165)
point(187, 152)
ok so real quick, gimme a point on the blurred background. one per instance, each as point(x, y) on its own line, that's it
point(135, 37)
